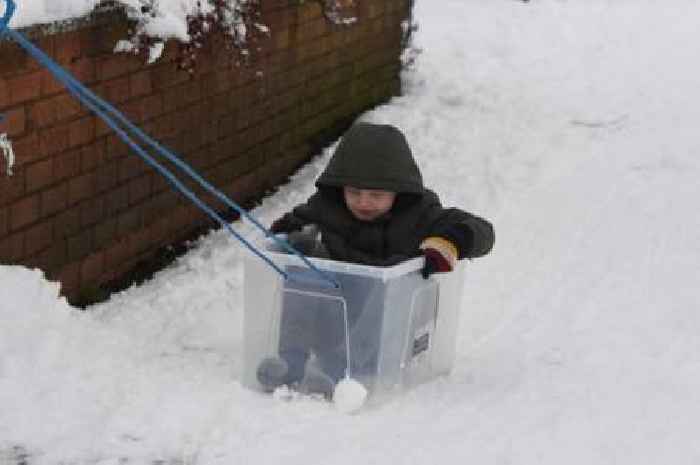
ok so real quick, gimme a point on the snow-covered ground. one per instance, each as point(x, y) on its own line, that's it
point(573, 127)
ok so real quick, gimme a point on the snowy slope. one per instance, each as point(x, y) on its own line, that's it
point(572, 126)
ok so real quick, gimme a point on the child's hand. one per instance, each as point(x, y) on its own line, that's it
point(288, 223)
point(440, 255)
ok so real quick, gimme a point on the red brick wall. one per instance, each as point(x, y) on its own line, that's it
point(85, 209)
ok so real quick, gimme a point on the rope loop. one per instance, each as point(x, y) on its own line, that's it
point(6, 17)
point(120, 124)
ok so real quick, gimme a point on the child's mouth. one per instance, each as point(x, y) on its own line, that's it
point(366, 214)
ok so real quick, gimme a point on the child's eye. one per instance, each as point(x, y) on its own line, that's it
point(380, 195)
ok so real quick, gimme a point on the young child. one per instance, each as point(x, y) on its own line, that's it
point(371, 208)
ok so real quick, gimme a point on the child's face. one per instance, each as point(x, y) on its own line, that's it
point(368, 204)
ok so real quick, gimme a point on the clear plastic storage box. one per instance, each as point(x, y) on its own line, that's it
point(385, 327)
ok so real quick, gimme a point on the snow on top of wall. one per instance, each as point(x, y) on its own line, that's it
point(168, 21)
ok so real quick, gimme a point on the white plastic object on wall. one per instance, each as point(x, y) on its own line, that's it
point(6, 147)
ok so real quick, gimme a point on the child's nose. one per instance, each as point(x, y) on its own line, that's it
point(365, 200)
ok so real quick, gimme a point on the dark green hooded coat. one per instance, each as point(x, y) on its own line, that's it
point(374, 156)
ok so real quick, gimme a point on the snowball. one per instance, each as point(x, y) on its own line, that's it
point(349, 395)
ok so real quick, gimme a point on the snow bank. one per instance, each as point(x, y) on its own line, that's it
point(130, 379)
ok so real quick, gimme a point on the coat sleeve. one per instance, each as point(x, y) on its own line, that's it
point(301, 215)
point(473, 235)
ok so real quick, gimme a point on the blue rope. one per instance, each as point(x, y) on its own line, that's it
point(104, 110)
point(5, 20)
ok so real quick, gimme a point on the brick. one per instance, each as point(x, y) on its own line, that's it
point(48, 84)
point(152, 107)
point(102, 129)
point(139, 189)
point(81, 187)
point(141, 242)
point(91, 211)
point(116, 148)
point(69, 276)
point(129, 168)
point(369, 9)
point(309, 11)
point(105, 233)
point(159, 230)
point(215, 83)
point(163, 126)
point(66, 165)
point(54, 200)
point(4, 223)
point(24, 212)
point(117, 254)
point(282, 38)
point(313, 30)
point(167, 75)
point(160, 204)
point(24, 88)
point(191, 141)
point(81, 132)
point(14, 58)
point(133, 111)
point(15, 121)
point(54, 140)
point(272, 5)
point(106, 176)
point(66, 223)
point(38, 237)
point(128, 221)
point(218, 108)
point(140, 84)
point(67, 107)
point(115, 91)
point(210, 133)
point(43, 113)
point(322, 66)
point(287, 80)
point(100, 39)
point(50, 259)
point(39, 175)
point(180, 219)
point(243, 187)
point(80, 245)
point(11, 187)
point(92, 267)
point(113, 66)
point(84, 70)
point(281, 60)
point(4, 93)
point(68, 47)
point(174, 98)
point(93, 155)
point(12, 248)
point(117, 200)
point(276, 13)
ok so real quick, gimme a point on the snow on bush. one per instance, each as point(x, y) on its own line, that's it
point(192, 22)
